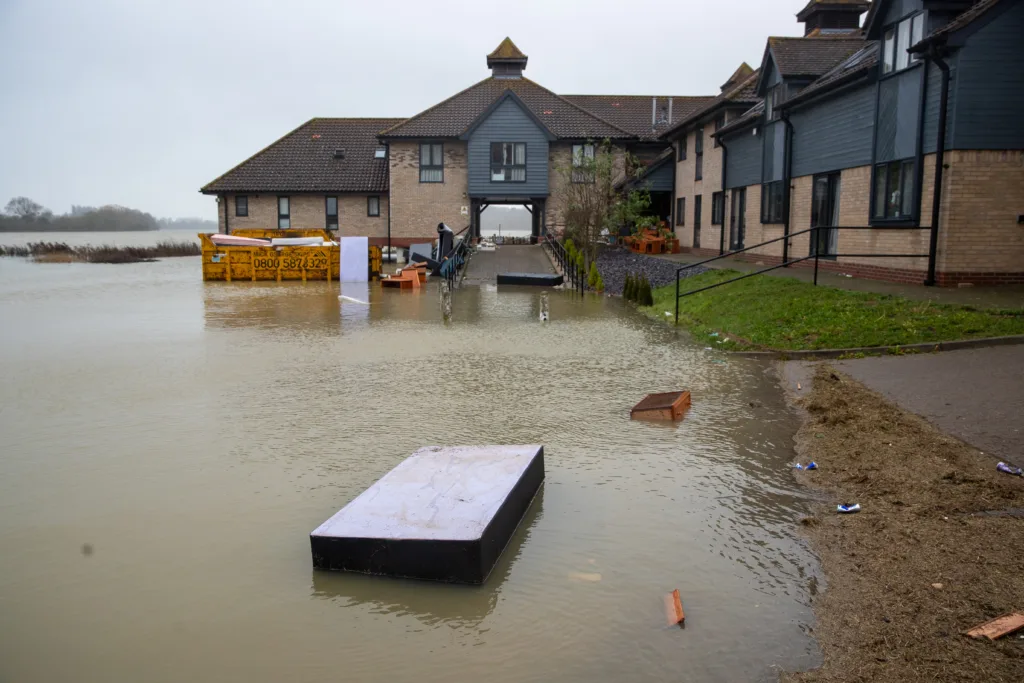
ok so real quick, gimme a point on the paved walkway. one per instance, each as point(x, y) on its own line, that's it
point(976, 395)
point(485, 266)
point(1009, 296)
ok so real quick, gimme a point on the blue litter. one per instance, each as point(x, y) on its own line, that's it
point(812, 465)
point(847, 509)
point(1010, 469)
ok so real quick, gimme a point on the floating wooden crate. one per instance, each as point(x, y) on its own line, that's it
point(666, 406)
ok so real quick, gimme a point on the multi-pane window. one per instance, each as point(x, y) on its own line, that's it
point(241, 206)
point(717, 208)
point(893, 195)
point(373, 207)
point(331, 206)
point(681, 149)
point(897, 39)
point(431, 162)
point(508, 162)
point(284, 212)
point(583, 163)
point(719, 122)
point(771, 202)
point(698, 153)
point(681, 211)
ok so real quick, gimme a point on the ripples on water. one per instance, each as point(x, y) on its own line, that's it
point(194, 434)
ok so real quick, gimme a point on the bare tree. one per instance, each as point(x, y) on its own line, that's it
point(26, 209)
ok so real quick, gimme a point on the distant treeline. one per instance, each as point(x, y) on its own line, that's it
point(24, 215)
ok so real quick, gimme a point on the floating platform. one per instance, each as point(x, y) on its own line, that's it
point(532, 279)
point(666, 406)
point(443, 514)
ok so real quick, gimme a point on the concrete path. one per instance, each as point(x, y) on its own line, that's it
point(485, 266)
point(1007, 296)
point(976, 395)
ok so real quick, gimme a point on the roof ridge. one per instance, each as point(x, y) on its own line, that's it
point(576, 106)
point(265, 149)
point(387, 131)
point(357, 118)
point(742, 84)
point(692, 97)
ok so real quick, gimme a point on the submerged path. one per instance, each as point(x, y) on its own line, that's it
point(485, 266)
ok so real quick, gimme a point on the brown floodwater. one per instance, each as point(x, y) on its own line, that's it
point(168, 445)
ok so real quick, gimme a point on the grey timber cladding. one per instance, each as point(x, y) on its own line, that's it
point(508, 123)
point(834, 133)
point(899, 107)
point(661, 179)
point(989, 104)
point(743, 159)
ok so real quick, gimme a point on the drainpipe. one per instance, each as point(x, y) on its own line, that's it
point(940, 149)
point(721, 231)
point(387, 155)
point(786, 172)
point(224, 200)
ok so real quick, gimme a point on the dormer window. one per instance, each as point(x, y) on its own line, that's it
point(897, 39)
point(380, 153)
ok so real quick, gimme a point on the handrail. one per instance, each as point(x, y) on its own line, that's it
point(570, 269)
point(456, 258)
point(787, 261)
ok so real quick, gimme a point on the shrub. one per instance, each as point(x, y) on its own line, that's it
point(646, 295)
point(593, 276)
point(579, 261)
point(627, 288)
point(600, 283)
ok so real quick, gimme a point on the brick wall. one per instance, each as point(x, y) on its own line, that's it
point(309, 212)
point(979, 233)
point(417, 208)
point(688, 186)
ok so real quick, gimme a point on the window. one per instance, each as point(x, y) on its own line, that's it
point(698, 151)
point(332, 212)
point(772, 201)
point(284, 212)
point(681, 211)
point(893, 196)
point(583, 163)
point(508, 162)
point(897, 39)
point(431, 162)
point(241, 206)
point(719, 122)
point(681, 149)
point(717, 208)
point(775, 96)
point(380, 153)
point(373, 207)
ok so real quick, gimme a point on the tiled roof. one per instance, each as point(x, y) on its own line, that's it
point(633, 112)
point(452, 117)
point(303, 161)
point(507, 50)
point(814, 5)
point(811, 56)
point(857, 64)
point(745, 93)
point(666, 154)
point(977, 11)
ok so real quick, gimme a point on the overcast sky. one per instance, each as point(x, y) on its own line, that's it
point(140, 102)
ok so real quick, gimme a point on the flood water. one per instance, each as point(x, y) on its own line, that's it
point(168, 445)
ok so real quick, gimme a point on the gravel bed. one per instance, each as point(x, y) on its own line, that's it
point(615, 264)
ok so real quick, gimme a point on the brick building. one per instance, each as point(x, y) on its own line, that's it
point(846, 133)
point(499, 141)
point(837, 128)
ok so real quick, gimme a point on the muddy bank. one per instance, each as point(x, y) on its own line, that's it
point(925, 559)
point(61, 252)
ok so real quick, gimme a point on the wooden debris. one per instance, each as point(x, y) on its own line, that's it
point(674, 609)
point(667, 406)
point(998, 627)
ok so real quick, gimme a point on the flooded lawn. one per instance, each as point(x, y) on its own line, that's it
point(193, 435)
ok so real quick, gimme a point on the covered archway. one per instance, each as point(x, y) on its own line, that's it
point(534, 205)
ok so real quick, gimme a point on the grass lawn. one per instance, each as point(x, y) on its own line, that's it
point(786, 314)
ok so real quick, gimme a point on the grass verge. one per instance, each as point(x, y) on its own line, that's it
point(787, 314)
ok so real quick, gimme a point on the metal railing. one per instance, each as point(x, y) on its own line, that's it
point(570, 269)
point(817, 255)
point(455, 260)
